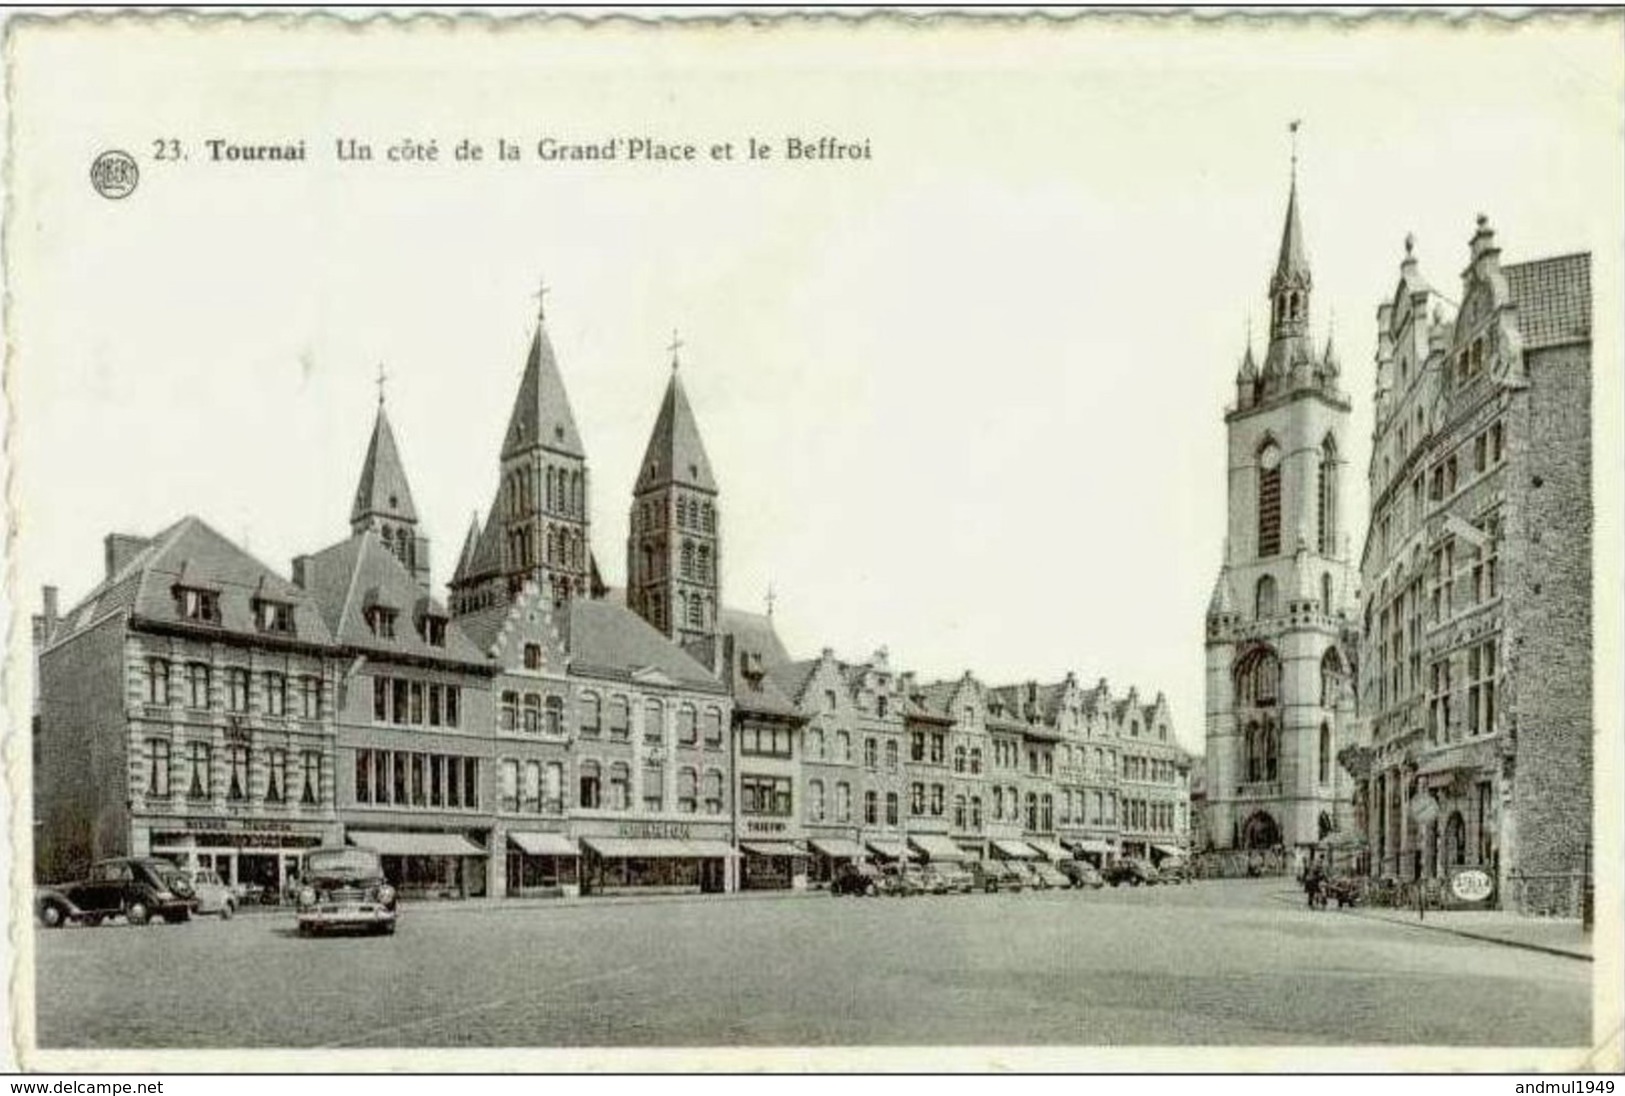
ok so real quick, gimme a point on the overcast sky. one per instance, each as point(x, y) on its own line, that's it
point(964, 400)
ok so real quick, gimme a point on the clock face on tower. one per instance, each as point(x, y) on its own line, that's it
point(1269, 459)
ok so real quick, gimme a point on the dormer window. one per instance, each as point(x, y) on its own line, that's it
point(202, 606)
point(381, 621)
point(273, 616)
point(434, 631)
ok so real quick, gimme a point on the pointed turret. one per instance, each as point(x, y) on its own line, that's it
point(382, 491)
point(383, 500)
point(1292, 265)
point(1330, 368)
point(471, 547)
point(541, 413)
point(1221, 602)
point(675, 454)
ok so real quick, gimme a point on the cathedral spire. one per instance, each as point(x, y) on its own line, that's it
point(675, 453)
point(541, 415)
point(382, 491)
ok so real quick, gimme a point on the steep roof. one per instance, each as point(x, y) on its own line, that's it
point(541, 411)
point(791, 678)
point(383, 488)
point(191, 553)
point(675, 453)
point(349, 577)
point(1553, 298)
point(465, 558)
point(608, 638)
point(1222, 600)
point(754, 632)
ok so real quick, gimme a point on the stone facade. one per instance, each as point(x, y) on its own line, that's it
point(1476, 633)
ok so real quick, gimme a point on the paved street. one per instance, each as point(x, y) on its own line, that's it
point(1210, 963)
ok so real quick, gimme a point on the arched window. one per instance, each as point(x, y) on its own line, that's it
point(710, 518)
point(815, 801)
point(1269, 499)
point(687, 791)
point(1325, 754)
point(713, 791)
point(1455, 839)
point(555, 715)
point(688, 728)
point(682, 513)
point(654, 723)
point(533, 713)
point(815, 744)
point(590, 790)
point(1264, 598)
point(1331, 677)
point(686, 563)
point(705, 563)
point(1327, 483)
point(1326, 593)
point(696, 612)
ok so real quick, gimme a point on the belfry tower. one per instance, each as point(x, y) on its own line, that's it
point(383, 499)
point(1280, 702)
point(674, 551)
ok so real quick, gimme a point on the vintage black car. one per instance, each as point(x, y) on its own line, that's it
point(134, 888)
point(860, 879)
point(1131, 871)
point(344, 888)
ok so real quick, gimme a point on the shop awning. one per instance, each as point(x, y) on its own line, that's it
point(838, 848)
point(1169, 850)
point(772, 848)
point(655, 848)
point(937, 847)
point(891, 850)
point(545, 844)
point(385, 843)
point(1015, 850)
point(1049, 850)
point(1091, 845)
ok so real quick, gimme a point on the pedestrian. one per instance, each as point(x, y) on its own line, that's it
point(1313, 879)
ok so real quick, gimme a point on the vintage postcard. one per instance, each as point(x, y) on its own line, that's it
point(814, 541)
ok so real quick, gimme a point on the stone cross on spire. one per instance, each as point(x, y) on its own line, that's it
point(770, 599)
point(382, 378)
point(542, 290)
point(676, 345)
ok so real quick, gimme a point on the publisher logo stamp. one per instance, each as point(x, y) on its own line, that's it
point(114, 174)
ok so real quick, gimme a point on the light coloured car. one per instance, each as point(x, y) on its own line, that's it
point(214, 896)
point(1050, 876)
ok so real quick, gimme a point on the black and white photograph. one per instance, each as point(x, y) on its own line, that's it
point(805, 541)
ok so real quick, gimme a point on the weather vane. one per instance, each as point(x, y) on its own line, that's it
point(676, 345)
point(382, 377)
point(541, 293)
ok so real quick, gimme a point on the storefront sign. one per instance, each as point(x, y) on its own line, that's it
point(1472, 885)
point(754, 826)
point(239, 825)
point(679, 831)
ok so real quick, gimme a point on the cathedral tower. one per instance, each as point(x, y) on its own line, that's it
point(383, 500)
point(538, 526)
point(673, 552)
point(1279, 624)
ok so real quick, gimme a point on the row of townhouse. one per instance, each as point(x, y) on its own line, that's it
point(539, 732)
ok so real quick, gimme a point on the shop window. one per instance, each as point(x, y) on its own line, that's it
point(157, 681)
point(158, 768)
point(588, 783)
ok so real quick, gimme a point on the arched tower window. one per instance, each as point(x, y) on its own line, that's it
point(1328, 496)
point(1269, 499)
point(1331, 678)
point(1326, 593)
point(1264, 598)
point(686, 566)
point(1258, 679)
point(1325, 754)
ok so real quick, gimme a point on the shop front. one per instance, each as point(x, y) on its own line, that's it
point(656, 858)
point(829, 853)
point(428, 864)
point(1048, 850)
point(1166, 854)
point(888, 852)
point(772, 856)
point(543, 865)
point(259, 858)
point(1093, 850)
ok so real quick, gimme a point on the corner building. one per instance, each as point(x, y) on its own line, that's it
point(1475, 632)
point(1279, 637)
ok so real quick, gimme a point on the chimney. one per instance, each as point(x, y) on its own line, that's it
point(299, 565)
point(121, 548)
point(48, 596)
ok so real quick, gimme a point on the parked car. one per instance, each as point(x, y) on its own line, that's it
point(1021, 873)
point(932, 881)
point(1132, 871)
point(135, 888)
point(1049, 876)
point(344, 888)
point(1174, 871)
point(901, 880)
point(213, 896)
point(853, 878)
point(957, 878)
point(1342, 889)
point(988, 875)
point(1080, 873)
